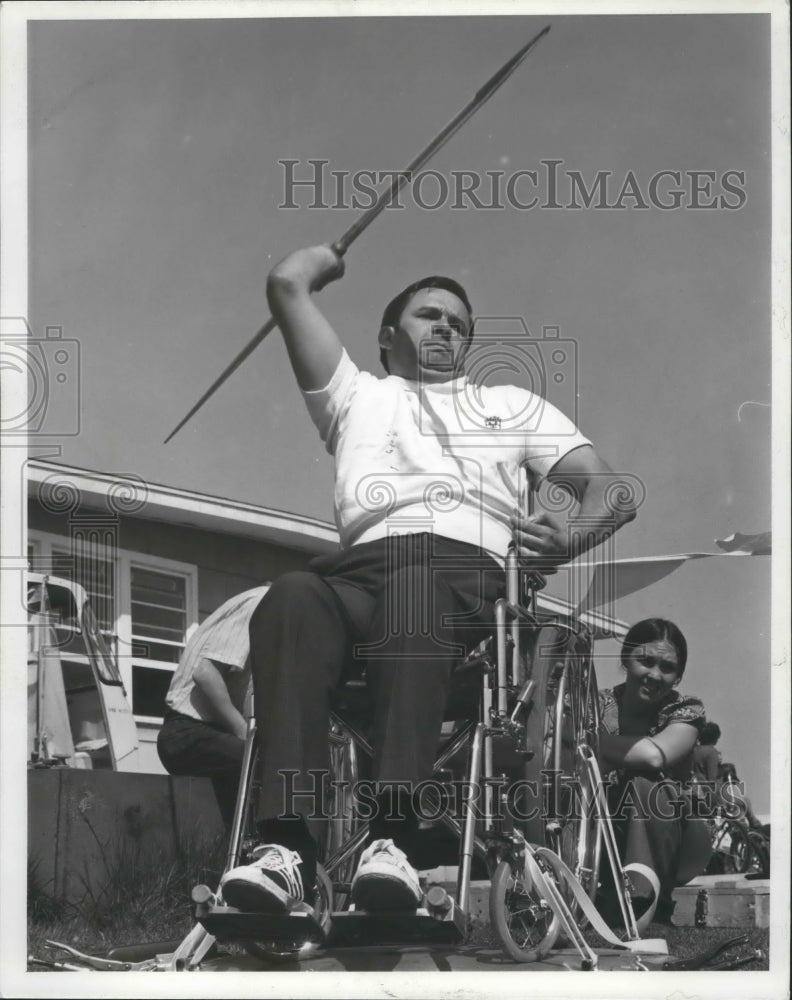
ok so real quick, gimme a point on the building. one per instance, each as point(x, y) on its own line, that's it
point(155, 562)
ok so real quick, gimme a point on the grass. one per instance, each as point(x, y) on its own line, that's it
point(140, 899)
point(147, 899)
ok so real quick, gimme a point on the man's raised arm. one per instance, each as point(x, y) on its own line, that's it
point(313, 345)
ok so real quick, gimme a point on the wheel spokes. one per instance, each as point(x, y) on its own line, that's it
point(527, 918)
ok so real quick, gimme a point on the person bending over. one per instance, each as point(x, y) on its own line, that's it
point(203, 733)
point(426, 489)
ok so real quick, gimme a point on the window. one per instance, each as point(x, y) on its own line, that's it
point(159, 623)
point(145, 605)
point(159, 613)
point(149, 687)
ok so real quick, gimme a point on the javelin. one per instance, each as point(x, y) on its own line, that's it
point(386, 198)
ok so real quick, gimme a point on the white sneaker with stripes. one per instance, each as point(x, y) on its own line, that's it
point(272, 883)
point(385, 879)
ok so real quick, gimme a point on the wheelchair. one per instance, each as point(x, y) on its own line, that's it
point(737, 849)
point(521, 732)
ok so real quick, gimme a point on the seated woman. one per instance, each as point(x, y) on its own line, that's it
point(648, 734)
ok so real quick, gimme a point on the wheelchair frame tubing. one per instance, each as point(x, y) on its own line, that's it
point(243, 795)
point(468, 837)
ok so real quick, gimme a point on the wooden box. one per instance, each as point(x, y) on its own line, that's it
point(722, 901)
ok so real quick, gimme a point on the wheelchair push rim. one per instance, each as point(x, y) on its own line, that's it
point(563, 716)
point(283, 951)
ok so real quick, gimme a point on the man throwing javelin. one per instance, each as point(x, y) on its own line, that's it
point(426, 481)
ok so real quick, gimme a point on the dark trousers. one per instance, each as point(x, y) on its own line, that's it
point(200, 749)
point(405, 608)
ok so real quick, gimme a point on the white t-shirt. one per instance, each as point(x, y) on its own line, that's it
point(223, 638)
point(442, 458)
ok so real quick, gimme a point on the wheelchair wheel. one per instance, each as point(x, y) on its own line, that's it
point(287, 951)
point(525, 925)
point(738, 858)
point(759, 862)
point(565, 715)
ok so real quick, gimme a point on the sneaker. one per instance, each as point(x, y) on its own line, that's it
point(272, 883)
point(385, 880)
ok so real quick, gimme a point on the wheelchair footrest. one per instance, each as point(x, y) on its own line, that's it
point(229, 924)
point(362, 927)
point(438, 921)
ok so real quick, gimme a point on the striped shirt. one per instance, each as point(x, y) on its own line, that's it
point(224, 639)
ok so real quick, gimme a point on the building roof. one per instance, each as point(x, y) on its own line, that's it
point(54, 484)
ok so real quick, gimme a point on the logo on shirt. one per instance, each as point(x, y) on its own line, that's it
point(493, 422)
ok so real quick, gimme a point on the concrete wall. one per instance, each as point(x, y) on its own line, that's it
point(83, 824)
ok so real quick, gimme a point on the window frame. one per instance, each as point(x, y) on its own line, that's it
point(42, 544)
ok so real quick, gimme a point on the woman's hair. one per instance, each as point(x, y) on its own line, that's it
point(710, 734)
point(651, 630)
point(396, 306)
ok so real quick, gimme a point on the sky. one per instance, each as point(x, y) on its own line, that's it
point(154, 193)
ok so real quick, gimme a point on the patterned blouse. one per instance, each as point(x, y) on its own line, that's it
point(675, 707)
